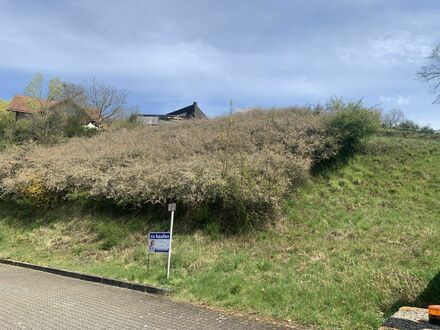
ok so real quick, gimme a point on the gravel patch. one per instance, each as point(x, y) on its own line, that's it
point(409, 318)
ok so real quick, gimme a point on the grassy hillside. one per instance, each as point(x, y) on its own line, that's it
point(352, 246)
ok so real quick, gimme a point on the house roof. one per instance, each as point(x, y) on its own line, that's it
point(150, 115)
point(27, 104)
point(192, 111)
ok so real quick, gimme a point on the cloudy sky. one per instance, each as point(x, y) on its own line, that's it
point(169, 53)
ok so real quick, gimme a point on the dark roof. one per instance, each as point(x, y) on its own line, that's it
point(192, 111)
point(149, 115)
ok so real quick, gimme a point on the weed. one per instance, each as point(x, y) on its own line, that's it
point(110, 234)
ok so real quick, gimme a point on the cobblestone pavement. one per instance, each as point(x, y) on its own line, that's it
point(31, 299)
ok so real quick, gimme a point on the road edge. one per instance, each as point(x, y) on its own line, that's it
point(89, 278)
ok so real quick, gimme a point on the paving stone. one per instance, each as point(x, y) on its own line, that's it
point(31, 299)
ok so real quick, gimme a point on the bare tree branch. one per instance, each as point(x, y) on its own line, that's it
point(393, 118)
point(107, 100)
point(431, 73)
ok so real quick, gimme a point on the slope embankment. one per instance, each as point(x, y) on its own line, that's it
point(348, 248)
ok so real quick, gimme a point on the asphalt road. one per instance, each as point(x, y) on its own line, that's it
point(30, 299)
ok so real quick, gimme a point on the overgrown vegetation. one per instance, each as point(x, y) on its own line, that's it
point(60, 110)
point(395, 122)
point(351, 123)
point(6, 120)
point(351, 246)
point(241, 177)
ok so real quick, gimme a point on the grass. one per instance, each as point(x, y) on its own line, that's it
point(352, 246)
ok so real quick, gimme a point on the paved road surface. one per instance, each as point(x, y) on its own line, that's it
point(31, 299)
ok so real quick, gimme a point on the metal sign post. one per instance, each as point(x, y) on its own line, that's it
point(171, 208)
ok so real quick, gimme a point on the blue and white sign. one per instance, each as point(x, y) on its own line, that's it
point(159, 242)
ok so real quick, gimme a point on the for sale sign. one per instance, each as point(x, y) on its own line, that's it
point(159, 242)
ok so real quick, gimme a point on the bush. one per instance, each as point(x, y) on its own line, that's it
point(235, 169)
point(242, 177)
point(73, 120)
point(408, 125)
point(427, 130)
point(351, 123)
point(21, 131)
point(6, 122)
point(47, 126)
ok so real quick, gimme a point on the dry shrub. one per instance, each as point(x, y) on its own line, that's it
point(240, 177)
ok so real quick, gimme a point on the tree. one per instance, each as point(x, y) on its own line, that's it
point(393, 118)
point(408, 125)
point(74, 92)
point(6, 119)
point(34, 88)
point(58, 110)
point(430, 73)
point(107, 100)
point(40, 100)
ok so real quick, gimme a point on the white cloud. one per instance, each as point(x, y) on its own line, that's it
point(277, 54)
point(397, 100)
point(388, 49)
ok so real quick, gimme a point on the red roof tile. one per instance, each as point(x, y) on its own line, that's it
point(27, 104)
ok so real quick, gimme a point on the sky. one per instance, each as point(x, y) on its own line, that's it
point(257, 53)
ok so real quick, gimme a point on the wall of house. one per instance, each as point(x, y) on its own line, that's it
point(149, 120)
point(21, 115)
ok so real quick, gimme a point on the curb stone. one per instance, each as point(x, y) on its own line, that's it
point(90, 278)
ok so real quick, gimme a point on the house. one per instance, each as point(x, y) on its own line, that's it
point(190, 112)
point(23, 106)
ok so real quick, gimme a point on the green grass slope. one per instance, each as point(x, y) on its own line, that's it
point(354, 244)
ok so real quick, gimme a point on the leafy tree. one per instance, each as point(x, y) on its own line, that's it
point(42, 101)
point(3, 105)
point(430, 73)
point(34, 88)
point(6, 120)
